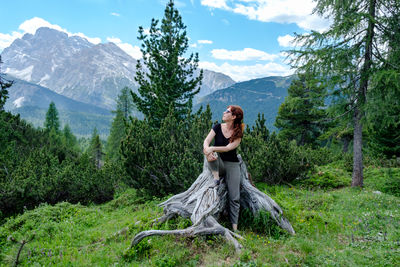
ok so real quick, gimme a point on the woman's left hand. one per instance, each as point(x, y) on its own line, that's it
point(208, 150)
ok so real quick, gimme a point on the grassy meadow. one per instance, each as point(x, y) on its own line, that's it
point(334, 227)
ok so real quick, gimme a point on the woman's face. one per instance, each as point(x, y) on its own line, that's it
point(227, 116)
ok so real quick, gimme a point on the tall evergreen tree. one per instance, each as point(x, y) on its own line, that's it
point(125, 102)
point(117, 133)
point(95, 149)
point(4, 84)
point(384, 98)
point(69, 139)
point(260, 128)
point(52, 121)
point(300, 115)
point(125, 106)
point(348, 53)
point(166, 77)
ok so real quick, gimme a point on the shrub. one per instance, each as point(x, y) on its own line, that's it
point(41, 178)
point(386, 180)
point(370, 158)
point(261, 223)
point(80, 181)
point(392, 182)
point(37, 166)
point(274, 160)
point(165, 160)
point(327, 177)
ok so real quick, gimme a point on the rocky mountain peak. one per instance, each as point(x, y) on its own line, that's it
point(78, 69)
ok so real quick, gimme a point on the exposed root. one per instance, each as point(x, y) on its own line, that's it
point(210, 227)
point(203, 203)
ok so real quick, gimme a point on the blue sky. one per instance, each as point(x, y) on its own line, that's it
point(241, 38)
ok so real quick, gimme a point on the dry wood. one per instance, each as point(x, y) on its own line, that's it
point(203, 203)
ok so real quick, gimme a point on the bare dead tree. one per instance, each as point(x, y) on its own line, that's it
point(203, 203)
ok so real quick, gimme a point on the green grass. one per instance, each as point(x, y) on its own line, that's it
point(339, 227)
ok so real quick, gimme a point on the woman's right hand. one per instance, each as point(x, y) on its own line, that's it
point(211, 157)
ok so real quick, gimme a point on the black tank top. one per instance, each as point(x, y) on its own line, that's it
point(220, 140)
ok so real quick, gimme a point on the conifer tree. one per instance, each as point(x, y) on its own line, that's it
point(95, 149)
point(69, 139)
point(125, 102)
point(117, 133)
point(300, 115)
point(125, 106)
point(259, 129)
point(4, 84)
point(166, 77)
point(348, 54)
point(52, 121)
point(384, 96)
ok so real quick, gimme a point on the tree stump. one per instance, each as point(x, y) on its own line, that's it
point(203, 203)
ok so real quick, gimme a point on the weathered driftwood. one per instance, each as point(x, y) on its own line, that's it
point(203, 203)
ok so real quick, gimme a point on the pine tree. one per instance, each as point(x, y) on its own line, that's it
point(125, 102)
point(69, 139)
point(165, 160)
point(348, 54)
point(166, 77)
point(300, 115)
point(384, 97)
point(125, 106)
point(95, 149)
point(117, 133)
point(259, 129)
point(52, 121)
point(4, 84)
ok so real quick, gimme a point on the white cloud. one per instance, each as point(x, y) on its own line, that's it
point(7, 39)
point(200, 43)
point(242, 55)
point(205, 42)
point(94, 40)
point(215, 3)
point(133, 51)
point(248, 72)
point(289, 41)
point(115, 14)
point(280, 11)
point(286, 41)
point(31, 25)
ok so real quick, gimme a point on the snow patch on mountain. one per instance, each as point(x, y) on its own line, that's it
point(18, 102)
point(24, 74)
point(45, 78)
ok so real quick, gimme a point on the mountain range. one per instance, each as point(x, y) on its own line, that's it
point(263, 95)
point(84, 80)
point(78, 69)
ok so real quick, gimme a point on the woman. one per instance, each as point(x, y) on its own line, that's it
point(227, 138)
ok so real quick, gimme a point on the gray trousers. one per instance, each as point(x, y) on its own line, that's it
point(231, 172)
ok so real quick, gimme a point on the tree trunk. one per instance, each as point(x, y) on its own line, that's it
point(357, 179)
point(203, 203)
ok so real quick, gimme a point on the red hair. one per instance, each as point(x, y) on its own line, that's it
point(238, 125)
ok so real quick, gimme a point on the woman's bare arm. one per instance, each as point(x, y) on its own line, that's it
point(229, 147)
point(207, 141)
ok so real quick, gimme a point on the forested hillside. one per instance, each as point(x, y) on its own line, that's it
point(263, 95)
